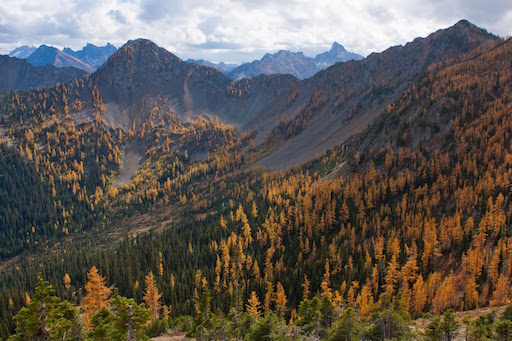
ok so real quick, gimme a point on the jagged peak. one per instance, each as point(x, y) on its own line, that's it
point(338, 47)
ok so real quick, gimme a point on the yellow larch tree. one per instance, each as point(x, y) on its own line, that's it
point(152, 297)
point(280, 299)
point(501, 294)
point(268, 298)
point(470, 294)
point(365, 299)
point(419, 296)
point(253, 306)
point(97, 293)
point(66, 281)
point(305, 288)
point(326, 281)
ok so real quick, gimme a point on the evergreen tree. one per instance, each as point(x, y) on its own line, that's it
point(47, 317)
point(348, 328)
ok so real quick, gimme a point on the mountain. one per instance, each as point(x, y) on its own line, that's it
point(22, 52)
point(18, 74)
point(336, 54)
point(293, 63)
point(282, 62)
point(327, 108)
point(222, 67)
point(340, 101)
point(94, 56)
point(48, 55)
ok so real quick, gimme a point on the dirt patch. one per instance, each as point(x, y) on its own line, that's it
point(132, 158)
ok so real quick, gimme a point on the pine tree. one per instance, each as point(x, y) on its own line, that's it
point(152, 297)
point(46, 317)
point(130, 319)
point(98, 294)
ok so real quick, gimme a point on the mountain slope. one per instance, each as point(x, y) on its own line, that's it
point(350, 95)
point(18, 74)
point(48, 55)
point(92, 55)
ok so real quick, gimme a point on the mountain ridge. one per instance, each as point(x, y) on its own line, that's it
point(92, 55)
point(18, 74)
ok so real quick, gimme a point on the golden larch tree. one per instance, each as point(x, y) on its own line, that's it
point(470, 294)
point(419, 296)
point(152, 297)
point(253, 306)
point(268, 298)
point(280, 299)
point(66, 281)
point(305, 288)
point(326, 281)
point(97, 293)
point(501, 294)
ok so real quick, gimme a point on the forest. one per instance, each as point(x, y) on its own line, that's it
point(416, 225)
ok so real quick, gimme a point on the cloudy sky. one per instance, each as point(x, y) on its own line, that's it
point(241, 30)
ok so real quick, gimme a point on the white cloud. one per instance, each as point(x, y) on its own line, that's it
point(240, 30)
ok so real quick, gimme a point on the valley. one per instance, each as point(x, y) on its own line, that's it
point(372, 194)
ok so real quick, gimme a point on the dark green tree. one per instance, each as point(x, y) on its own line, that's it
point(348, 328)
point(101, 325)
point(130, 319)
point(449, 326)
point(390, 320)
point(47, 317)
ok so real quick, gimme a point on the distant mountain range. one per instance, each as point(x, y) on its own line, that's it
point(222, 67)
point(49, 55)
point(284, 63)
point(93, 55)
point(294, 63)
point(88, 59)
